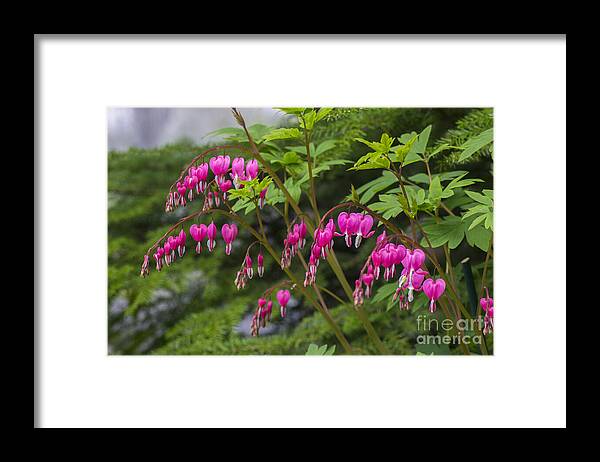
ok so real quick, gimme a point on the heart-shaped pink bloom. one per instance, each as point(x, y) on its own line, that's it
point(434, 290)
point(237, 168)
point(198, 232)
point(181, 238)
point(227, 233)
point(225, 186)
point(302, 230)
point(219, 165)
point(342, 220)
point(486, 303)
point(211, 231)
point(368, 278)
point(252, 169)
point(365, 226)
point(353, 223)
point(283, 297)
point(202, 172)
point(181, 188)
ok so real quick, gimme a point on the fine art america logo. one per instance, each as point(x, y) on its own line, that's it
point(449, 332)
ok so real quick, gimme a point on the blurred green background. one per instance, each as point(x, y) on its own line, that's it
point(193, 306)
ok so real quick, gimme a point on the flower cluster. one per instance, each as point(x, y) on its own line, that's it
point(322, 244)
point(487, 303)
point(295, 240)
point(196, 182)
point(263, 311)
point(412, 277)
point(349, 225)
point(247, 271)
point(174, 247)
point(354, 224)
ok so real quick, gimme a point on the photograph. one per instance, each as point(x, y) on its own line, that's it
point(300, 231)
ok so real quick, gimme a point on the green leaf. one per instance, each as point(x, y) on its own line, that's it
point(293, 188)
point(316, 350)
point(435, 190)
point(354, 194)
point(474, 144)
point(385, 291)
point(479, 237)
point(481, 198)
point(282, 134)
point(450, 230)
point(324, 146)
point(323, 112)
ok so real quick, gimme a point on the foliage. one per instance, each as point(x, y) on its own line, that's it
point(192, 309)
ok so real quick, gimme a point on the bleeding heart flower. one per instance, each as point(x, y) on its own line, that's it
point(252, 169)
point(283, 297)
point(229, 233)
point(211, 233)
point(237, 171)
point(487, 303)
point(260, 266)
point(198, 233)
point(434, 290)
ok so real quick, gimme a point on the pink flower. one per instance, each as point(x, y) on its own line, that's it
point(487, 303)
point(201, 174)
point(376, 260)
point(225, 186)
point(302, 234)
point(219, 165)
point(260, 265)
point(248, 266)
point(368, 279)
point(364, 229)
point(434, 290)
point(198, 233)
point(211, 233)
point(181, 193)
point(268, 309)
point(262, 197)
point(237, 171)
point(283, 297)
point(229, 233)
point(181, 243)
point(252, 169)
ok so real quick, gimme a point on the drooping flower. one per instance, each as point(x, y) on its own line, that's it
point(302, 234)
point(358, 294)
point(262, 198)
point(260, 267)
point(201, 174)
point(145, 271)
point(237, 171)
point(269, 309)
point(225, 186)
point(368, 279)
point(487, 303)
point(181, 243)
point(181, 193)
point(158, 256)
point(283, 297)
point(251, 169)
point(364, 229)
point(229, 233)
point(248, 266)
point(219, 165)
point(211, 233)
point(198, 233)
point(434, 290)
